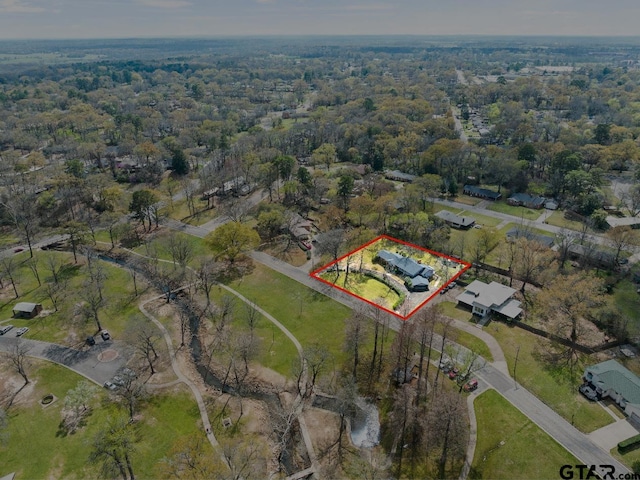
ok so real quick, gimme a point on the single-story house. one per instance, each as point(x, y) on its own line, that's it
point(456, 221)
point(526, 200)
point(474, 191)
point(633, 222)
point(399, 176)
point(592, 255)
point(300, 228)
point(484, 299)
point(612, 379)
point(517, 232)
point(27, 309)
point(417, 275)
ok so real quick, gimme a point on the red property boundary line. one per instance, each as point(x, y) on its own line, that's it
point(315, 273)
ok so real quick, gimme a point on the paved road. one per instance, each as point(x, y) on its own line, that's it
point(84, 361)
point(494, 375)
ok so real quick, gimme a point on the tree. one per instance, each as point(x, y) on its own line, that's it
point(324, 154)
point(141, 205)
point(180, 248)
point(232, 240)
point(447, 427)
point(345, 187)
point(622, 237)
point(355, 335)
point(190, 458)
point(94, 301)
point(113, 446)
point(77, 232)
point(144, 335)
point(131, 390)
point(533, 257)
point(19, 360)
point(9, 269)
point(331, 242)
point(568, 300)
point(76, 404)
point(179, 162)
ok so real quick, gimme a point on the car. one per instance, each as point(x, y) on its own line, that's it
point(91, 341)
point(109, 385)
point(588, 391)
point(18, 250)
point(105, 335)
point(21, 331)
point(117, 380)
point(444, 363)
point(471, 385)
point(5, 329)
point(453, 373)
point(443, 290)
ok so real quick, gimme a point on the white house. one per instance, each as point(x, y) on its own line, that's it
point(484, 299)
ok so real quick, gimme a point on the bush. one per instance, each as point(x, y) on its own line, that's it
point(629, 444)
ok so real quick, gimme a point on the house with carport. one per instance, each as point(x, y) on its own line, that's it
point(485, 299)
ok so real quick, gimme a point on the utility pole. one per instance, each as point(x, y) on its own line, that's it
point(515, 364)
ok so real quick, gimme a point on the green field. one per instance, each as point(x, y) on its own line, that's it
point(366, 287)
point(512, 447)
point(520, 212)
point(554, 384)
point(310, 316)
point(38, 448)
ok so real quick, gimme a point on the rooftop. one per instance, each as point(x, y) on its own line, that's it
point(450, 217)
point(494, 295)
point(612, 374)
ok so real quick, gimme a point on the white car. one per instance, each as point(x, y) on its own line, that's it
point(5, 329)
point(21, 331)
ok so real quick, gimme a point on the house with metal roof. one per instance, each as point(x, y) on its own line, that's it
point(484, 299)
point(417, 276)
point(612, 379)
point(399, 176)
point(456, 221)
point(26, 309)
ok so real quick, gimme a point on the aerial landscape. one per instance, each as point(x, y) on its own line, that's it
point(294, 241)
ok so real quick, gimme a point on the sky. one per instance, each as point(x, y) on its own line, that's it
point(23, 19)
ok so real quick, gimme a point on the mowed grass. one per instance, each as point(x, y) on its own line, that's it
point(37, 448)
point(461, 337)
point(626, 298)
point(555, 384)
point(276, 350)
point(310, 316)
point(365, 287)
point(521, 212)
point(527, 453)
point(558, 220)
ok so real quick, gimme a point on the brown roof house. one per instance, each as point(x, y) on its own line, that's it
point(26, 310)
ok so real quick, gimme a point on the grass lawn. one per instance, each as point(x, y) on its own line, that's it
point(628, 458)
point(276, 351)
point(120, 303)
point(627, 300)
point(160, 243)
point(463, 338)
point(180, 212)
point(558, 220)
point(555, 385)
point(483, 220)
point(310, 316)
point(527, 452)
point(365, 287)
point(37, 448)
point(467, 200)
point(521, 212)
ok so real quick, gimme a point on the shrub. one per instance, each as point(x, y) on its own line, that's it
point(629, 443)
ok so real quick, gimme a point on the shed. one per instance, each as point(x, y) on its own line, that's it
point(26, 310)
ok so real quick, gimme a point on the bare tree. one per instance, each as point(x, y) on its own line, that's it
point(533, 257)
point(331, 242)
point(191, 458)
point(114, 445)
point(144, 336)
point(9, 271)
point(401, 415)
point(131, 391)
point(180, 249)
point(18, 357)
point(32, 263)
point(447, 430)
point(245, 458)
point(92, 296)
point(621, 238)
point(208, 273)
point(56, 291)
point(356, 332)
point(54, 264)
point(564, 240)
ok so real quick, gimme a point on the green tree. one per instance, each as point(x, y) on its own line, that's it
point(179, 162)
point(324, 154)
point(141, 205)
point(345, 187)
point(113, 446)
point(232, 240)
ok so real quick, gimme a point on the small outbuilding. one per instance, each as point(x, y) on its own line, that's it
point(27, 310)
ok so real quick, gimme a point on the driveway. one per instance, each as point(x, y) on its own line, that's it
point(98, 363)
point(610, 435)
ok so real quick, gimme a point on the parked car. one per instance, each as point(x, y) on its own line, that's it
point(453, 373)
point(21, 331)
point(444, 363)
point(588, 391)
point(471, 385)
point(5, 329)
point(105, 335)
point(91, 341)
point(109, 385)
